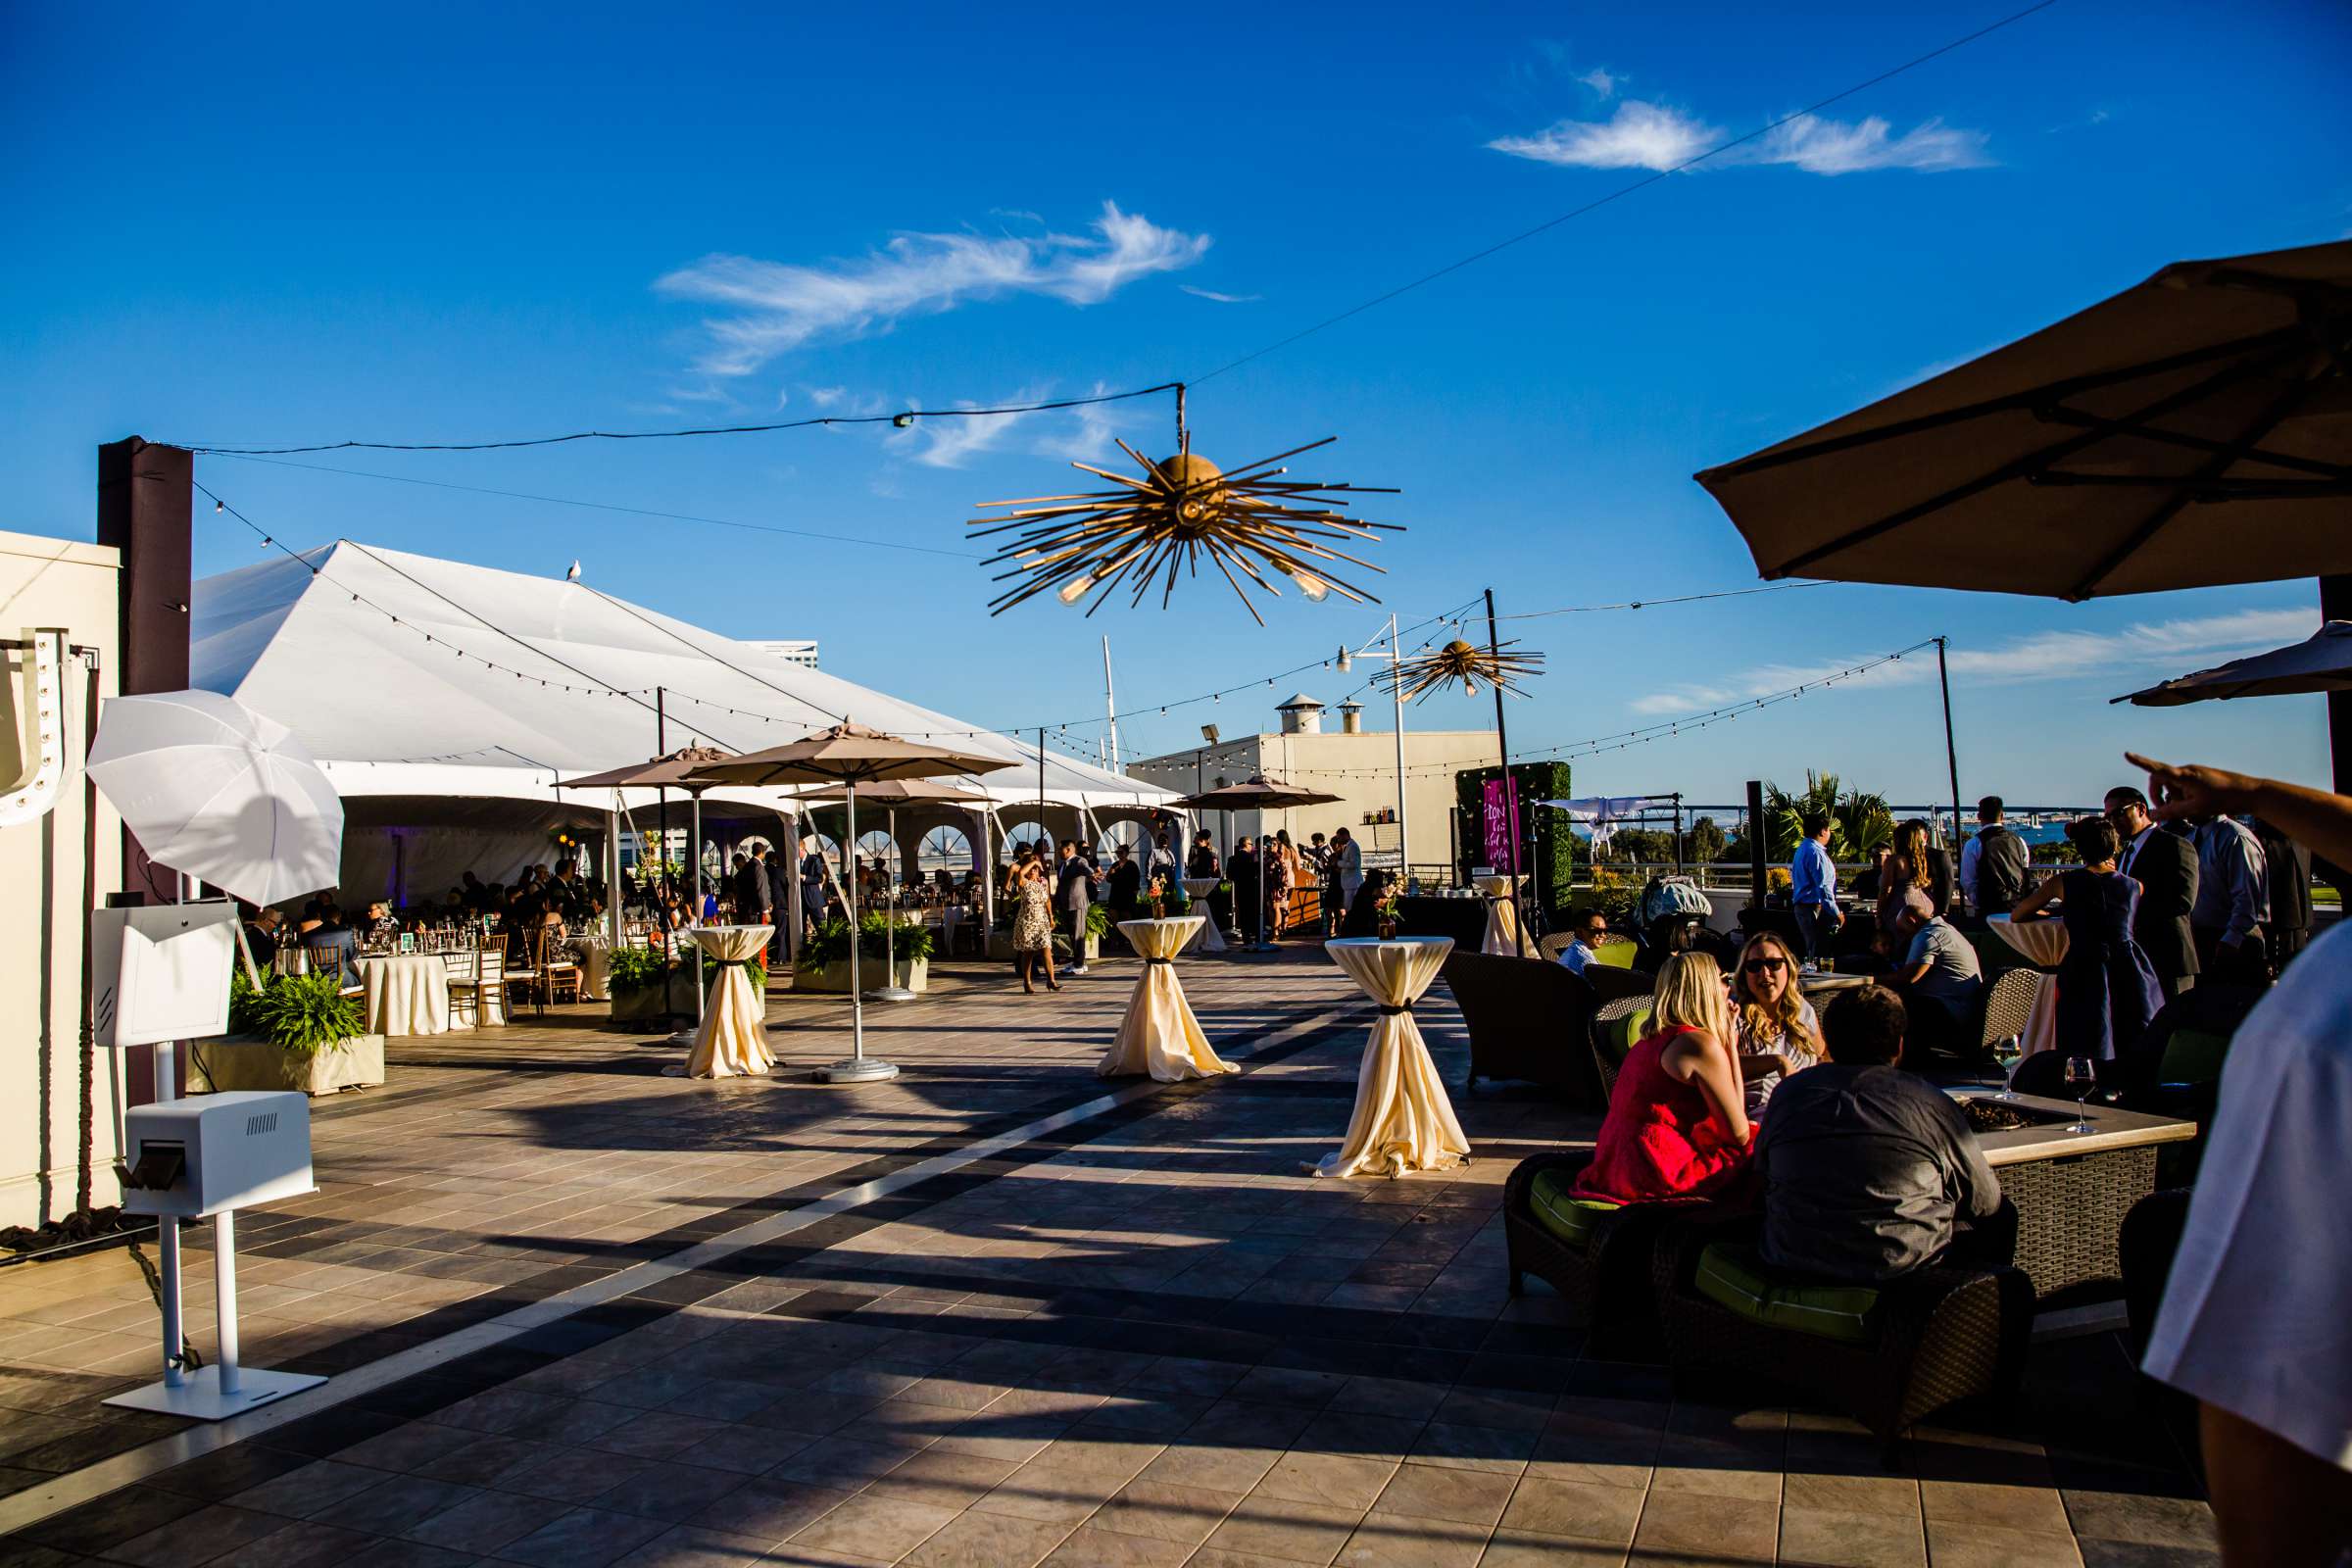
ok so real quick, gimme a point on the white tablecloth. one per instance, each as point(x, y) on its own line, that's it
point(1212, 939)
point(595, 961)
point(1502, 919)
point(1160, 1034)
point(408, 994)
point(732, 1042)
point(1404, 1120)
point(2043, 943)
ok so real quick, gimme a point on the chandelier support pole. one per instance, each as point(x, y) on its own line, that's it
point(1510, 790)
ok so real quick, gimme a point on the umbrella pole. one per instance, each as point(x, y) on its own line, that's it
point(860, 1068)
point(694, 848)
point(890, 990)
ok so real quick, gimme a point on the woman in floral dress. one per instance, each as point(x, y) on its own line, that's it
point(1032, 921)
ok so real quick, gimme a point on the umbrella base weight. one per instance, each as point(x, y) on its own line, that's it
point(890, 993)
point(200, 1398)
point(856, 1071)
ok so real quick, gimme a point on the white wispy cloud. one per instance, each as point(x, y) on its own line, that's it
point(1639, 135)
point(1221, 299)
point(777, 306)
point(2172, 646)
point(1599, 80)
point(1659, 137)
point(824, 397)
point(1085, 432)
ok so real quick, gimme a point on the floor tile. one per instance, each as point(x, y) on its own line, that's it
point(1579, 1511)
point(1435, 1491)
point(871, 1525)
point(583, 1537)
point(1818, 1539)
point(1186, 1515)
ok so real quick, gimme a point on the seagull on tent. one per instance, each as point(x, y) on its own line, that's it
point(574, 575)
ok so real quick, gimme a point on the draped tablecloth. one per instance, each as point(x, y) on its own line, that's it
point(596, 962)
point(1211, 940)
point(1160, 1034)
point(1502, 919)
point(408, 994)
point(1403, 1122)
point(732, 1042)
point(2043, 943)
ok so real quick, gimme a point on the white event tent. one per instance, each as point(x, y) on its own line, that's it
point(445, 701)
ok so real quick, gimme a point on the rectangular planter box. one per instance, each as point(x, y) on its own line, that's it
point(243, 1062)
point(834, 978)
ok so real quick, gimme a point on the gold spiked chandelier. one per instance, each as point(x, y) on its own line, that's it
point(1460, 663)
point(1251, 522)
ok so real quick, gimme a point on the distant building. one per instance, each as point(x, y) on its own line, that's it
point(791, 650)
point(1353, 763)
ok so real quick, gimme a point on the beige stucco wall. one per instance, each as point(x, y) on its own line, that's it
point(1361, 767)
point(44, 894)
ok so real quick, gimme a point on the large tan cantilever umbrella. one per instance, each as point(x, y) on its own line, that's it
point(670, 773)
point(1258, 792)
point(2193, 430)
point(848, 754)
point(893, 794)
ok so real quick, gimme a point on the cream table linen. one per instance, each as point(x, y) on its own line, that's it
point(1404, 1120)
point(1160, 1034)
point(1211, 940)
point(2044, 944)
point(595, 955)
point(1502, 919)
point(408, 994)
point(732, 1042)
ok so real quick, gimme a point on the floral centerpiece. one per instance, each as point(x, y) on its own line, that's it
point(1385, 909)
point(1168, 897)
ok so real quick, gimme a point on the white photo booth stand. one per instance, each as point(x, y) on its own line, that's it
point(160, 975)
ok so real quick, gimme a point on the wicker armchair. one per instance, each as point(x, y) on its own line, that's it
point(1939, 1335)
point(2008, 1004)
point(1528, 1019)
point(1606, 1283)
point(1616, 985)
point(1611, 1039)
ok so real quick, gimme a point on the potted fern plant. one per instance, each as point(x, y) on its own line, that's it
point(824, 961)
point(640, 982)
point(295, 1031)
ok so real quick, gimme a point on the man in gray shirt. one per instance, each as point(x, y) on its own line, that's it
point(1868, 1172)
point(1937, 974)
point(2234, 901)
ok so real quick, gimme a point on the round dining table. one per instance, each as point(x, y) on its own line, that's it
point(1402, 1119)
point(732, 1039)
point(407, 993)
point(1159, 1036)
point(595, 953)
point(2043, 943)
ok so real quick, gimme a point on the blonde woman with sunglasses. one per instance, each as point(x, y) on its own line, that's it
point(1774, 1028)
point(1677, 1126)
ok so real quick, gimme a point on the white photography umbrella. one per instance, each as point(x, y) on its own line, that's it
point(211, 789)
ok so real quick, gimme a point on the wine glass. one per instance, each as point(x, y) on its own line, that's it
point(2082, 1077)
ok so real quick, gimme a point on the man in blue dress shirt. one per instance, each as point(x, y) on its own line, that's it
point(1813, 890)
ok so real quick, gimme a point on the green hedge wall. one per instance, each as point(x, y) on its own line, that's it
point(1547, 849)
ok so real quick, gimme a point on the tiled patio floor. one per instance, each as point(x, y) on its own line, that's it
point(1143, 1337)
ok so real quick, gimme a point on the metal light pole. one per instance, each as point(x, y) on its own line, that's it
point(1395, 659)
point(1951, 756)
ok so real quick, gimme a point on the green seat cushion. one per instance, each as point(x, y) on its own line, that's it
point(1736, 1277)
point(2193, 1057)
point(1619, 1036)
point(1615, 955)
point(1560, 1212)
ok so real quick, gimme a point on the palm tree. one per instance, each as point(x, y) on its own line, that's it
point(1785, 814)
point(1865, 824)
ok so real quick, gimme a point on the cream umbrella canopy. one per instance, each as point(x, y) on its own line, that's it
point(893, 794)
point(848, 754)
point(1258, 794)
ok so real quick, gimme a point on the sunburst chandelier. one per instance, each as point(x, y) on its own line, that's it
point(1249, 521)
point(1460, 663)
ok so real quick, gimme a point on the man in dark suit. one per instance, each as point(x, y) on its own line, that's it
point(2165, 865)
point(2289, 865)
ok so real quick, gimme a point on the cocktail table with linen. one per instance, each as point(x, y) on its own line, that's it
point(1160, 1034)
point(1404, 1120)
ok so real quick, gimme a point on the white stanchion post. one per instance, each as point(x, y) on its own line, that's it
point(166, 1245)
point(225, 1296)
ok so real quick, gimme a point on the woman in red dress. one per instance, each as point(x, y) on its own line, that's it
point(1677, 1126)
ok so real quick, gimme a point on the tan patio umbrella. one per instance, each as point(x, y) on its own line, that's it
point(2193, 430)
point(851, 755)
point(895, 793)
point(668, 772)
point(1258, 792)
point(2320, 662)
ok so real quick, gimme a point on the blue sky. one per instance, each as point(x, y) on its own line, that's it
point(278, 225)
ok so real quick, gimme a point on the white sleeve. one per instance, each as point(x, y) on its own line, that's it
point(2254, 1315)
